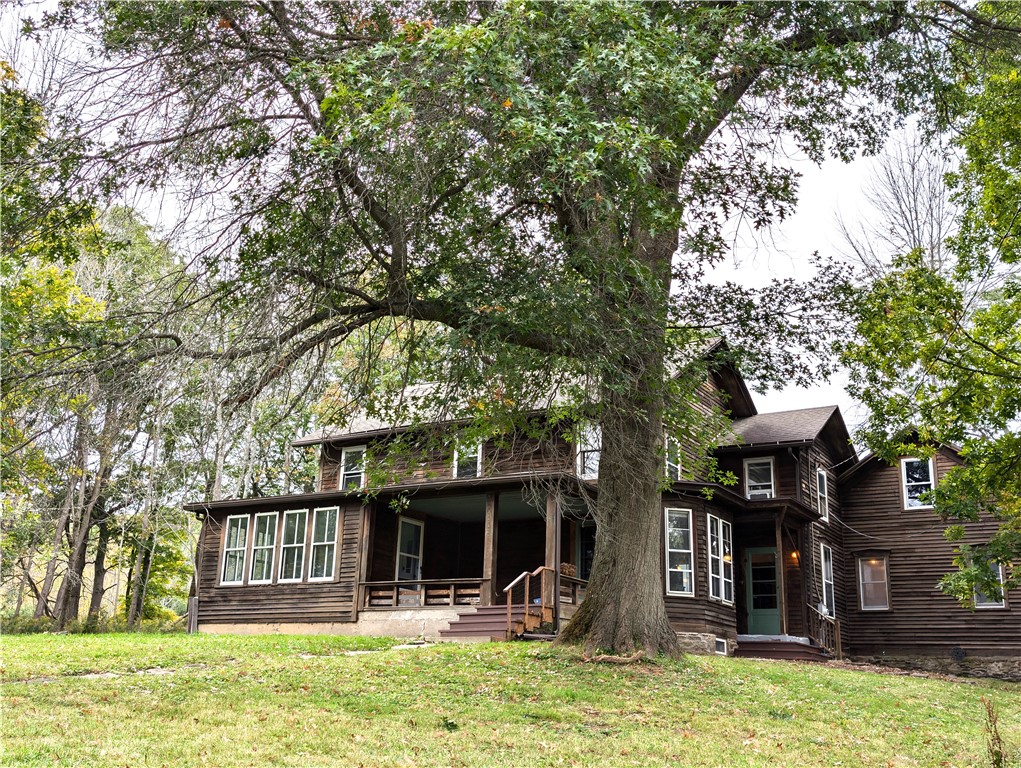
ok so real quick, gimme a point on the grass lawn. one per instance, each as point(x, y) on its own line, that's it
point(178, 700)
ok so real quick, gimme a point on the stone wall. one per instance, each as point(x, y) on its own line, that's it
point(999, 667)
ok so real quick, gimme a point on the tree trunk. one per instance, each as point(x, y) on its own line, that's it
point(136, 601)
point(99, 571)
point(43, 605)
point(624, 609)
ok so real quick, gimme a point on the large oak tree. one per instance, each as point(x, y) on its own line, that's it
point(519, 193)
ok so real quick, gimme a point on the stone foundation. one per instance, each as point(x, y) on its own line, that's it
point(999, 667)
point(413, 623)
point(700, 644)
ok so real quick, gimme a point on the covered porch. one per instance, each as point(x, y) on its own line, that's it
point(460, 550)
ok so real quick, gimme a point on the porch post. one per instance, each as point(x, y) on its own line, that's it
point(488, 592)
point(782, 573)
point(364, 548)
point(552, 529)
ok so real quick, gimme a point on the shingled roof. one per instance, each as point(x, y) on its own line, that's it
point(792, 428)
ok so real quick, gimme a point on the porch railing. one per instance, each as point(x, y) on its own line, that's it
point(825, 630)
point(572, 589)
point(424, 592)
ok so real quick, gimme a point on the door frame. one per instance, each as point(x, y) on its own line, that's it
point(421, 547)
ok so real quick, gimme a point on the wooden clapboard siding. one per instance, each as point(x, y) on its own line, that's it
point(707, 403)
point(785, 469)
point(331, 601)
point(412, 462)
point(698, 613)
point(829, 532)
point(921, 619)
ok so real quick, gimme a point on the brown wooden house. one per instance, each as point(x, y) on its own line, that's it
point(812, 552)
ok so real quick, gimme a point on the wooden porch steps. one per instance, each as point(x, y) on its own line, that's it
point(489, 622)
point(780, 647)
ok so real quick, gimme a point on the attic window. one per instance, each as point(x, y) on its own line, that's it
point(917, 476)
point(758, 478)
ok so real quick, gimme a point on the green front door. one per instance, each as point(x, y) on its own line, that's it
point(763, 605)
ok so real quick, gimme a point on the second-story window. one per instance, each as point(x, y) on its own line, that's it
point(352, 467)
point(917, 477)
point(673, 459)
point(822, 493)
point(590, 443)
point(758, 478)
point(468, 461)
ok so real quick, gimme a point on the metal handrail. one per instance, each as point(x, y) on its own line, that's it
point(526, 576)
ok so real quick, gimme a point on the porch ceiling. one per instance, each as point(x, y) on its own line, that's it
point(472, 507)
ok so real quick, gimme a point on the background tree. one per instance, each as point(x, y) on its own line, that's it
point(536, 189)
point(938, 353)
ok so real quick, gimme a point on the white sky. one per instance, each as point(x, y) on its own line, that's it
point(826, 193)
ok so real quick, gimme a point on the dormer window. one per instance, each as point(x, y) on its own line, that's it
point(590, 443)
point(758, 478)
point(673, 459)
point(352, 468)
point(917, 476)
point(468, 463)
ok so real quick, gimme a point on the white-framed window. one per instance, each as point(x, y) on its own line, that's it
point(873, 583)
point(721, 560)
point(758, 478)
point(680, 560)
point(235, 545)
point(468, 463)
point(720, 646)
point(589, 444)
point(991, 601)
point(324, 544)
point(410, 536)
point(352, 467)
point(672, 449)
point(917, 479)
point(826, 572)
point(292, 545)
point(264, 544)
point(822, 493)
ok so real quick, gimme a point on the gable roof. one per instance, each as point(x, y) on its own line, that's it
point(798, 427)
point(802, 425)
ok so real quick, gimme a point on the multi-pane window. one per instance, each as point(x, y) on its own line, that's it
point(292, 545)
point(721, 560)
point(873, 583)
point(826, 566)
point(352, 467)
point(680, 569)
point(917, 476)
point(324, 544)
point(822, 493)
point(468, 463)
point(263, 546)
point(758, 478)
point(991, 601)
point(673, 459)
point(590, 443)
point(235, 543)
